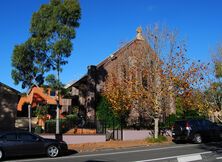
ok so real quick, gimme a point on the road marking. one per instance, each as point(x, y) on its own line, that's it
point(111, 153)
point(189, 158)
point(172, 157)
point(219, 158)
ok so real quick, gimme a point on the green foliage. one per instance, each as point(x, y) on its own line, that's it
point(104, 111)
point(218, 69)
point(193, 114)
point(54, 85)
point(214, 92)
point(54, 25)
point(183, 111)
point(52, 82)
point(75, 110)
point(25, 65)
point(38, 129)
point(65, 124)
point(217, 59)
point(179, 105)
point(72, 118)
point(170, 120)
point(214, 95)
point(41, 111)
point(189, 114)
point(52, 30)
point(160, 139)
point(50, 126)
point(71, 121)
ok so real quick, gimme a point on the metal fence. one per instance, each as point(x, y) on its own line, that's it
point(113, 130)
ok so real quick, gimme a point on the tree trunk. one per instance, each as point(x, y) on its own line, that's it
point(156, 127)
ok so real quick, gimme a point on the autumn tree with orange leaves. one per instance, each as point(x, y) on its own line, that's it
point(150, 82)
point(213, 93)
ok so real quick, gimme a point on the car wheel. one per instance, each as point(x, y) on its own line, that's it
point(52, 151)
point(197, 138)
point(1, 154)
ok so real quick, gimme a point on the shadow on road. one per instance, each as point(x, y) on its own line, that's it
point(212, 146)
point(24, 157)
point(98, 161)
point(68, 153)
point(178, 142)
point(71, 152)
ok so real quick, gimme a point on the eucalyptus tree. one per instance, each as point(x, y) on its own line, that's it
point(28, 68)
point(52, 31)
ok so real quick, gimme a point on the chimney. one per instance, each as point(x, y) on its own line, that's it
point(91, 69)
point(92, 72)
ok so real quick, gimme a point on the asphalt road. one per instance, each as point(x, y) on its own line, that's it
point(169, 153)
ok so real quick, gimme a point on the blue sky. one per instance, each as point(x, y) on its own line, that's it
point(107, 23)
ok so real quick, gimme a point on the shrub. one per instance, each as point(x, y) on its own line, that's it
point(71, 120)
point(104, 112)
point(38, 129)
point(41, 111)
point(160, 139)
point(188, 114)
point(50, 126)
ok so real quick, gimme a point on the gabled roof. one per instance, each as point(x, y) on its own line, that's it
point(139, 37)
point(106, 61)
point(114, 55)
point(12, 89)
point(69, 84)
point(36, 95)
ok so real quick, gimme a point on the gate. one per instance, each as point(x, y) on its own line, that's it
point(113, 129)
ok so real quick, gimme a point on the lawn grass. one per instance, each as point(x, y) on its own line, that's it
point(160, 139)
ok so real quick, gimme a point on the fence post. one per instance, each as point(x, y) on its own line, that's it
point(121, 125)
point(104, 126)
point(113, 130)
point(121, 129)
point(30, 117)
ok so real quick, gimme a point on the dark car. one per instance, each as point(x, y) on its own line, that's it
point(196, 130)
point(17, 143)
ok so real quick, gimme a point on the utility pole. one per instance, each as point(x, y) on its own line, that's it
point(30, 117)
point(58, 136)
point(57, 117)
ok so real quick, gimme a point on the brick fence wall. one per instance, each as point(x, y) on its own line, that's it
point(127, 135)
point(136, 134)
point(77, 139)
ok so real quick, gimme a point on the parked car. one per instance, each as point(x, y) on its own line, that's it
point(196, 130)
point(17, 143)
